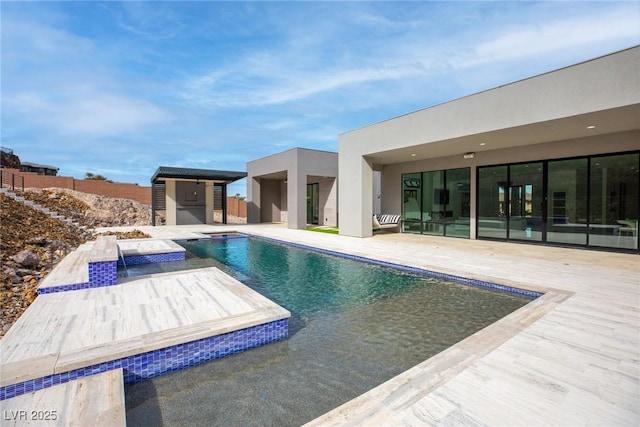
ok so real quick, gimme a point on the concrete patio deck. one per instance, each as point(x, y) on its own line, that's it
point(571, 357)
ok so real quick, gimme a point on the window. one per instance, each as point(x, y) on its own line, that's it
point(613, 213)
point(411, 202)
point(589, 201)
point(567, 201)
point(434, 202)
point(492, 208)
point(437, 202)
point(526, 199)
point(458, 198)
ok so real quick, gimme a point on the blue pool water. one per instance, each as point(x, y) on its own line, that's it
point(354, 325)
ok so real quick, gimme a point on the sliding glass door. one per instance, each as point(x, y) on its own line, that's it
point(526, 199)
point(613, 213)
point(567, 201)
point(412, 200)
point(458, 187)
point(588, 201)
point(492, 202)
point(437, 202)
point(434, 201)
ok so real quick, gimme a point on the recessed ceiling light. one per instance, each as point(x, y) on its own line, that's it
point(591, 127)
point(413, 154)
point(483, 143)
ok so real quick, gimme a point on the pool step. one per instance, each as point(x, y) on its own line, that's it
point(96, 400)
point(147, 326)
point(72, 270)
point(93, 265)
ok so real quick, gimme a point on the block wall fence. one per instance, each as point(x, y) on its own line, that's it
point(141, 194)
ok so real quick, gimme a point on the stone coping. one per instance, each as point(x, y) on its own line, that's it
point(72, 270)
point(105, 249)
point(133, 247)
point(96, 400)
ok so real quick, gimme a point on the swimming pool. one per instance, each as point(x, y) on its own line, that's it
point(354, 325)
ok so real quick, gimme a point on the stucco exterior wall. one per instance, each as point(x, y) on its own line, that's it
point(601, 84)
point(552, 109)
point(281, 180)
point(171, 198)
point(172, 206)
point(270, 201)
point(328, 199)
point(391, 201)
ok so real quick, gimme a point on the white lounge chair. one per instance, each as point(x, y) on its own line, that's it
point(385, 222)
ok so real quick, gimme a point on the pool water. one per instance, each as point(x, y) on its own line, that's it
point(354, 325)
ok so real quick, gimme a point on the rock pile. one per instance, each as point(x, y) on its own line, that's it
point(121, 235)
point(32, 243)
point(91, 210)
point(9, 160)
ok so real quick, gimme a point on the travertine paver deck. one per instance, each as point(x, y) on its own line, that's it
point(569, 358)
point(68, 330)
point(97, 400)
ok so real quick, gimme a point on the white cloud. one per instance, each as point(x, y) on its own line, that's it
point(298, 68)
point(243, 87)
point(93, 114)
point(35, 42)
point(151, 20)
point(187, 77)
point(532, 40)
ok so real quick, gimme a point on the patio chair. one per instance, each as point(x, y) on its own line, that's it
point(386, 222)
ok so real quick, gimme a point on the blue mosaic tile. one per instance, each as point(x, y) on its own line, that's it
point(414, 270)
point(152, 258)
point(142, 366)
point(63, 288)
point(103, 273)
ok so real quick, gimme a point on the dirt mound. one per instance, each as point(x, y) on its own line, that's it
point(91, 210)
point(32, 243)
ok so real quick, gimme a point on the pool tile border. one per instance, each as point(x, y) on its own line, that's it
point(103, 273)
point(151, 364)
point(409, 269)
point(151, 258)
point(66, 288)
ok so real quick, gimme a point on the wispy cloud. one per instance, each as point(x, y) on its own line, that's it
point(556, 35)
point(291, 70)
point(37, 43)
point(180, 80)
point(237, 88)
point(155, 21)
point(95, 114)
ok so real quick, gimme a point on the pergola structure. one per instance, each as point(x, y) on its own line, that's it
point(189, 195)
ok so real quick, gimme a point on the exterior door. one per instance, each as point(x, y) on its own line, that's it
point(589, 201)
point(313, 202)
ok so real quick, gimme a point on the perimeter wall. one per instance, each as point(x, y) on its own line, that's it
point(141, 194)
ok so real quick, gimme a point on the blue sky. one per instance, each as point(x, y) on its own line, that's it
point(120, 88)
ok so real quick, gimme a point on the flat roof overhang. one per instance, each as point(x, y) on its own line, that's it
point(609, 121)
point(597, 97)
point(279, 175)
point(189, 174)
